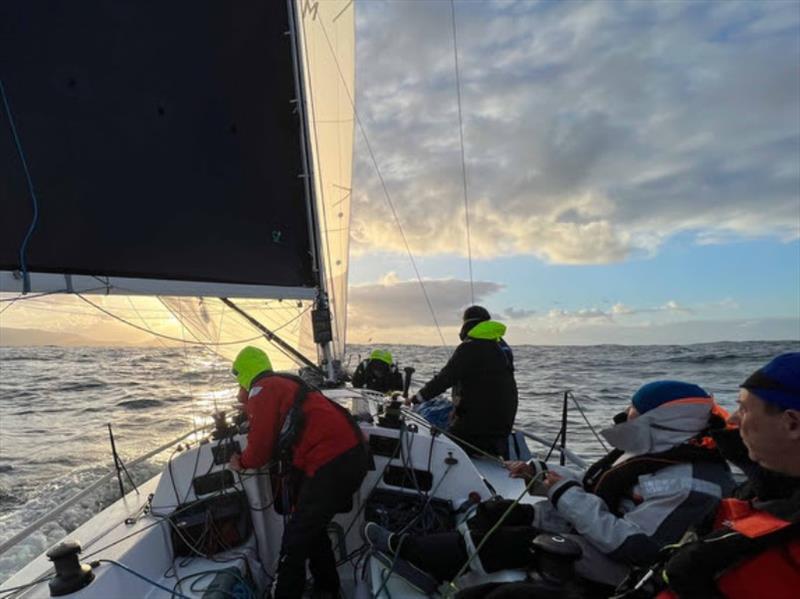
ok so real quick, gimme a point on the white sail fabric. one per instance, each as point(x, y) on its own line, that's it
point(224, 332)
point(328, 50)
point(171, 322)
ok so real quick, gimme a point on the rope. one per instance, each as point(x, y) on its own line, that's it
point(386, 194)
point(172, 592)
point(463, 160)
point(453, 588)
point(12, 590)
point(23, 249)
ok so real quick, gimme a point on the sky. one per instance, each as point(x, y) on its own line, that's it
point(632, 170)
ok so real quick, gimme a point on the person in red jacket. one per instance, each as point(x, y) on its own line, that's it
point(293, 423)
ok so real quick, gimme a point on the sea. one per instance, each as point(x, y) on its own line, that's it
point(56, 404)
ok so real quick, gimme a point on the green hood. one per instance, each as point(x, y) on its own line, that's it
point(488, 329)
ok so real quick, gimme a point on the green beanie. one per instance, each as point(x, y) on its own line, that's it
point(382, 355)
point(250, 362)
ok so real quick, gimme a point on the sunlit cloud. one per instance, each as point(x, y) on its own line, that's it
point(393, 302)
point(594, 131)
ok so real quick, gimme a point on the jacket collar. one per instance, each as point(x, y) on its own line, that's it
point(661, 428)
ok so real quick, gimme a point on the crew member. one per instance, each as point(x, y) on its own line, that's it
point(378, 373)
point(662, 476)
point(754, 550)
point(481, 373)
point(293, 423)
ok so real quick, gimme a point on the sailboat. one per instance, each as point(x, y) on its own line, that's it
point(201, 153)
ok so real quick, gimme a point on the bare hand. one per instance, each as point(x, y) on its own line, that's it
point(519, 469)
point(235, 463)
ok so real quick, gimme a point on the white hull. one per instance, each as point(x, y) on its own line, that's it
point(146, 541)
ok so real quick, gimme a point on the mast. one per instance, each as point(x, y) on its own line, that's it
point(321, 315)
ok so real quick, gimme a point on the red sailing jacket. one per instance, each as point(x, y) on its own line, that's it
point(326, 432)
point(773, 573)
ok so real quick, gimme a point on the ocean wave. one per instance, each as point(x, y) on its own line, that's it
point(705, 358)
point(140, 404)
point(8, 499)
point(83, 386)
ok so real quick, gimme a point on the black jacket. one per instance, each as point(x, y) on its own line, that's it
point(481, 373)
point(378, 376)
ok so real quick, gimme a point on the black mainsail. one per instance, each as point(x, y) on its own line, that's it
point(175, 149)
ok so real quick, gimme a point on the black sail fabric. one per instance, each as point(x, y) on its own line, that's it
point(162, 139)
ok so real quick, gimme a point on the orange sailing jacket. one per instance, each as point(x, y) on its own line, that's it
point(772, 573)
point(775, 572)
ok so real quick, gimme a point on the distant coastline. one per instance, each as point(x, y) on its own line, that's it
point(26, 337)
point(14, 337)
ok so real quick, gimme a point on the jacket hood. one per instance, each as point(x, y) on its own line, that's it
point(663, 427)
point(488, 329)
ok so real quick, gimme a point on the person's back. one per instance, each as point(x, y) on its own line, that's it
point(486, 395)
point(481, 373)
point(294, 425)
point(325, 432)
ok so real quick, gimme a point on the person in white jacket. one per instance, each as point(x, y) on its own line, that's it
point(663, 476)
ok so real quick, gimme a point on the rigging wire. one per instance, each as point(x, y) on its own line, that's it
point(177, 339)
point(586, 420)
point(23, 249)
point(383, 184)
point(463, 159)
point(6, 307)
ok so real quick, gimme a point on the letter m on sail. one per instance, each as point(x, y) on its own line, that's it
point(310, 7)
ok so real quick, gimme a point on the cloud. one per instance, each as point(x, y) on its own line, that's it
point(616, 312)
point(394, 304)
point(593, 131)
point(518, 313)
point(680, 332)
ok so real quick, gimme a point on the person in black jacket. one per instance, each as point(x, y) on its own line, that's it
point(481, 373)
point(378, 373)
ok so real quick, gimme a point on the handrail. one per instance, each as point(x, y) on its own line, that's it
point(5, 546)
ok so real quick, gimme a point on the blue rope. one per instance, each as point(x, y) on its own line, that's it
point(172, 592)
point(26, 280)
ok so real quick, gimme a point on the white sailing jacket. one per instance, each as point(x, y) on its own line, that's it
point(660, 507)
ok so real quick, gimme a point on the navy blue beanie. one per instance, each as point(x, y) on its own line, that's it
point(778, 382)
point(652, 395)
